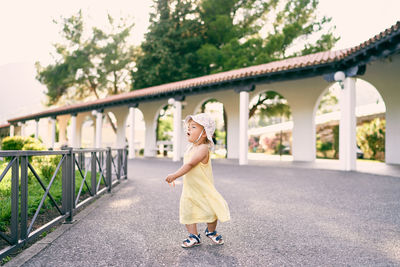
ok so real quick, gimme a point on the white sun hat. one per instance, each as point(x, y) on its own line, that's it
point(206, 121)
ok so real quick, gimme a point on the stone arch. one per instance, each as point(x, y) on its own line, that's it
point(86, 130)
point(164, 139)
point(109, 134)
point(221, 134)
point(274, 135)
point(327, 124)
point(139, 131)
point(114, 134)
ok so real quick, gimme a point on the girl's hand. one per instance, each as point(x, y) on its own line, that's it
point(170, 178)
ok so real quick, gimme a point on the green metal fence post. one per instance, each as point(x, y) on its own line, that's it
point(108, 169)
point(119, 163)
point(24, 197)
point(14, 201)
point(126, 163)
point(93, 174)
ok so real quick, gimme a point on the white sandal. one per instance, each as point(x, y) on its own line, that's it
point(192, 241)
point(215, 238)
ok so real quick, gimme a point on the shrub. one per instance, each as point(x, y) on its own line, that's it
point(371, 138)
point(279, 148)
point(47, 166)
point(324, 147)
point(335, 132)
point(21, 143)
point(34, 146)
point(13, 143)
point(47, 170)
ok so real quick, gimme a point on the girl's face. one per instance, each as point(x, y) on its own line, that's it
point(193, 131)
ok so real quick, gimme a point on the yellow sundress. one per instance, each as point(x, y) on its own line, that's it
point(200, 201)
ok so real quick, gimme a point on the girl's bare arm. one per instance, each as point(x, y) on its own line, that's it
point(200, 155)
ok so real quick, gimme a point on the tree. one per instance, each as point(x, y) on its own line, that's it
point(237, 33)
point(234, 31)
point(88, 65)
point(328, 103)
point(270, 104)
point(191, 38)
point(165, 122)
point(168, 53)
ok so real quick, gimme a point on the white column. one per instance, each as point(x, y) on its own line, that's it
point(99, 127)
point(53, 132)
point(243, 128)
point(132, 114)
point(62, 130)
point(22, 128)
point(150, 141)
point(177, 139)
point(79, 121)
point(303, 133)
point(37, 129)
point(12, 130)
point(94, 130)
point(347, 127)
point(73, 132)
point(392, 138)
point(121, 129)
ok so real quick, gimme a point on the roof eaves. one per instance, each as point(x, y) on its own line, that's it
point(314, 64)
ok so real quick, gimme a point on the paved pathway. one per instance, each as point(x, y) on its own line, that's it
point(280, 217)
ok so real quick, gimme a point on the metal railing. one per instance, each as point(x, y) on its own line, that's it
point(106, 167)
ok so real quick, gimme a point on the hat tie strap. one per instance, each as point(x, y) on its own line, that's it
point(199, 136)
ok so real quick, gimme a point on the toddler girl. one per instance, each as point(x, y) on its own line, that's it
point(200, 201)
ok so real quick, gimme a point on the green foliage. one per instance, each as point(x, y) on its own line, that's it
point(165, 124)
point(88, 66)
point(5, 260)
point(220, 136)
point(234, 31)
point(371, 138)
point(324, 147)
point(39, 138)
point(270, 104)
point(35, 191)
point(21, 143)
point(13, 143)
point(335, 131)
point(34, 146)
point(327, 103)
point(190, 38)
point(47, 165)
point(169, 51)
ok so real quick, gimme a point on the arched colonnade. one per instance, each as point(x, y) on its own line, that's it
point(302, 94)
point(301, 81)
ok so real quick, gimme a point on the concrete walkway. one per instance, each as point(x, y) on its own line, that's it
point(280, 217)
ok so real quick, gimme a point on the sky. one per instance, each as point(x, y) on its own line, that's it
point(27, 34)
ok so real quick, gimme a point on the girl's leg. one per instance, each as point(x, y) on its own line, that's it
point(215, 237)
point(192, 228)
point(211, 226)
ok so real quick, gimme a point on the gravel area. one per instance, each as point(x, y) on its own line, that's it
point(280, 217)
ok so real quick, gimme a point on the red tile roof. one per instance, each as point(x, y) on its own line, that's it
point(272, 67)
point(6, 125)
